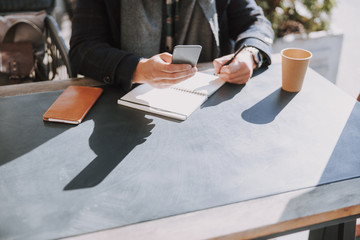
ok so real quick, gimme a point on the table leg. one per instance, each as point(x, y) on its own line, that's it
point(342, 231)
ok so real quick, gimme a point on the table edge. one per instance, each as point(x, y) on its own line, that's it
point(228, 222)
point(45, 86)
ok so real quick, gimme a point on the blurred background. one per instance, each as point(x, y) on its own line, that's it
point(345, 19)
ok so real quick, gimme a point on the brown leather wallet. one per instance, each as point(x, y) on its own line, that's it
point(72, 105)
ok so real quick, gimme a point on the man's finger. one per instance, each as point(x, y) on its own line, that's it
point(166, 57)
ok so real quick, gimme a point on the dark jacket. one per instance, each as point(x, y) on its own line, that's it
point(95, 42)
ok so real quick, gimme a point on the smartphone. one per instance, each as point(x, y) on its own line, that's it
point(188, 54)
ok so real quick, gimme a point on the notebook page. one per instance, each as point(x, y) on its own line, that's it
point(201, 83)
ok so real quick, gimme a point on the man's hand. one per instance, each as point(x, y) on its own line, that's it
point(238, 71)
point(160, 73)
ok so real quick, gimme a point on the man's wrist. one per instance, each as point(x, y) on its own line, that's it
point(256, 56)
point(137, 76)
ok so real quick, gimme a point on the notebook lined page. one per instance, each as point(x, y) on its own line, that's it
point(201, 83)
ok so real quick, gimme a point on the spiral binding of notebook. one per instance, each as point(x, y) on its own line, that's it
point(189, 91)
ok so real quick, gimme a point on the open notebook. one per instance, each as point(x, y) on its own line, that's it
point(177, 101)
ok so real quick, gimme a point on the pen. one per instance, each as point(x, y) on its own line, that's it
point(235, 54)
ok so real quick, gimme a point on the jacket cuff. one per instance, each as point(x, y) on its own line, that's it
point(125, 71)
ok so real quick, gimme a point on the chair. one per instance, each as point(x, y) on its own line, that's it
point(56, 64)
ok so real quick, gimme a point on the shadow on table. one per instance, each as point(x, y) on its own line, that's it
point(22, 129)
point(267, 109)
point(228, 91)
point(117, 132)
point(225, 93)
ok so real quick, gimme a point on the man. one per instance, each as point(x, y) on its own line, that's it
point(122, 42)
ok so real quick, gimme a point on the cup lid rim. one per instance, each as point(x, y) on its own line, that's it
point(305, 58)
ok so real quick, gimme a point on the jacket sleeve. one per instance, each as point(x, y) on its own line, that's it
point(94, 45)
point(248, 25)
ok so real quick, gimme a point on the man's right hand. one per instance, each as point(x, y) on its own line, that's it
point(160, 73)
